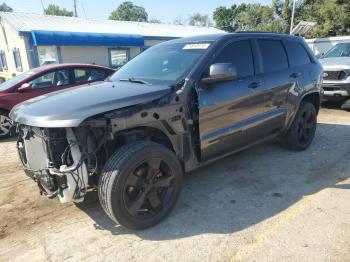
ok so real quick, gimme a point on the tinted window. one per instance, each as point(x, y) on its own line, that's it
point(273, 55)
point(297, 54)
point(52, 79)
point(240, 55)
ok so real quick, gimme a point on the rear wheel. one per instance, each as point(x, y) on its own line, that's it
point(140, 184)
point(5, 125)
point(302, 131)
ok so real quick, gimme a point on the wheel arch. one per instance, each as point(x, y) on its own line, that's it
point(313, 98)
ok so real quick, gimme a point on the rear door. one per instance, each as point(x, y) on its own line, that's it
point(228, 109)
point(277, 81)
point(83, 75)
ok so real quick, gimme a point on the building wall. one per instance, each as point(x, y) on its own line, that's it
point(322, 45)
point(14, 40)
point(91, 54)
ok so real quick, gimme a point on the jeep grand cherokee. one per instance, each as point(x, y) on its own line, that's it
point(175, 107)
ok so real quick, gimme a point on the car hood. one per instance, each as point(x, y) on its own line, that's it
point(70, 107)
point(335, 62)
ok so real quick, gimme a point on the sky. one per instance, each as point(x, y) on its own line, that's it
point(165, 10)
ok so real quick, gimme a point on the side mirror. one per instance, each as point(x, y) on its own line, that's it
point(24, 87)
point(221, 72)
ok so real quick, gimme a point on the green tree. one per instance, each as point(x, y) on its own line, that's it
point(56, 10)
point(332, 17)
point(249, 17)
point(127, 11)
point(199, 20)
point(5, 8)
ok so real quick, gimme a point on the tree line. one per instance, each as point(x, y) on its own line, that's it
point(332, 16)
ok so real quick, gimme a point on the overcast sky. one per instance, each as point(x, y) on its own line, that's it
point(165, 10)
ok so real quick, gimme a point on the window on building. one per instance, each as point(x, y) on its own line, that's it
point(118, 57)
point(3, 62)
point(297, 54)
point(52, 79)
point(240, 55)
point(47, 55)
point(17, 58)
point(83, 75)
point(273, 55)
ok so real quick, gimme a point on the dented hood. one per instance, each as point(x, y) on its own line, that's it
point(70, 107)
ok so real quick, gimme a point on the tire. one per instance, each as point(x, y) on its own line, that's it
point(5, 125)
point(140, 184)
point(302, 131)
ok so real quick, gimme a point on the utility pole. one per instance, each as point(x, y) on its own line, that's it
point(75, 8)
point(292, 20)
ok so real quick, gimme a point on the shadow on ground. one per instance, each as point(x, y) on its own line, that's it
point(244, 189)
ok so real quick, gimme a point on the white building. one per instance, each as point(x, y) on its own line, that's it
point(322, 45)
point(31, 40)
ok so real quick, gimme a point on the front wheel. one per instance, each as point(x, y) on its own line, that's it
point(140, 184)
point(302, 131)
point(5, 125)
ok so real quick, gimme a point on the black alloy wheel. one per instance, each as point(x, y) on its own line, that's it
point(140, 184)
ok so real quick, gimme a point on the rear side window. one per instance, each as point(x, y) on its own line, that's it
point(240, 55)
point(297, 54)
point(273, 55)
point(83, 75)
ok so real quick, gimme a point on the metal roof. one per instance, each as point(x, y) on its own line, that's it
point(26, 22)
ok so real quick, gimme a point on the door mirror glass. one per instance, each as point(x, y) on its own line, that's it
point(24, 87)
point(221, 72)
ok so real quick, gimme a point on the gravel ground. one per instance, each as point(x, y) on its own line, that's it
point(264, 204)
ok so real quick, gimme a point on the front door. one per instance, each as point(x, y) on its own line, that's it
point(46, 83)
point(228, 109)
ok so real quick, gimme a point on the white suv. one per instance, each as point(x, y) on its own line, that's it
point(336, 78)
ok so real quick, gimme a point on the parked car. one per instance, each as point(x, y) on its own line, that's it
point(43, 80)
point(336, 78)
point(176, 107)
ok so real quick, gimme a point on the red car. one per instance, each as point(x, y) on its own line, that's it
point(43, 80)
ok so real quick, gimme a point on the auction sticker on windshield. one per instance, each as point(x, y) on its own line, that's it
point(196, 46)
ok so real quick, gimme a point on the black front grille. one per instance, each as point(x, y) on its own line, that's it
point(335, 75)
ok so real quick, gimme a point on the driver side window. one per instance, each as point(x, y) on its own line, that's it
point(240, 55)
point(51, 79)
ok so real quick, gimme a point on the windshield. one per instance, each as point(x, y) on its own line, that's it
point(10, 83)
point(339, 50)
point(164, 64)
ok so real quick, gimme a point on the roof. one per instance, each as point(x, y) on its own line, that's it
point(27, 22)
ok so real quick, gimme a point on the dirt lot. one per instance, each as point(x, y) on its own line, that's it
point(264, 204)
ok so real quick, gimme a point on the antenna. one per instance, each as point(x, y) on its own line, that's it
point(75, 8)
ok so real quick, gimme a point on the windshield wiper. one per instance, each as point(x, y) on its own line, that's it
point(133, 80)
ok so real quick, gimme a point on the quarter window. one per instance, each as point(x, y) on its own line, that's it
point(118, 57)
point(240, 55)
point(297, 54)
point(3, 62)
point(17, 58)
point(273, 55)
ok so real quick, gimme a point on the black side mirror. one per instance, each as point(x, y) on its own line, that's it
point(221, 72)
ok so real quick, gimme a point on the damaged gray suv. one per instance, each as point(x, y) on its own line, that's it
point(175, 107)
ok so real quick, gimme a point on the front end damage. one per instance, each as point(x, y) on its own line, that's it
point(58, 161)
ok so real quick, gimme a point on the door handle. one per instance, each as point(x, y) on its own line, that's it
point(254, 85)
point(295, 75)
